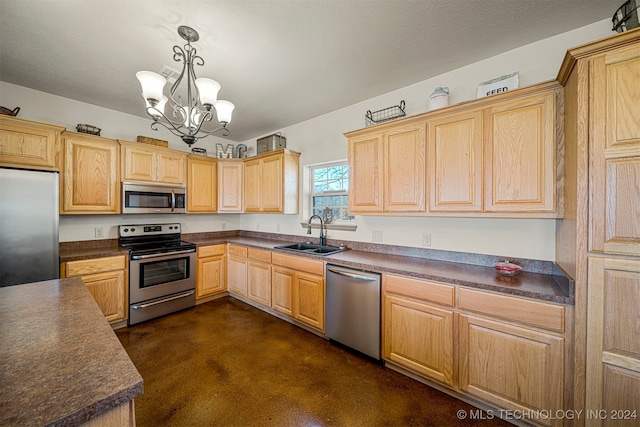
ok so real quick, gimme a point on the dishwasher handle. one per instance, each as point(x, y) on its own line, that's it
point(352, 275)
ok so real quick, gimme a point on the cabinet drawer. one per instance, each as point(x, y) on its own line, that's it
point(534, 313)
point(95, 265)
point(213, 250)
point(420, 289)
point(259, 255)
point(298, 263)
point(240, 251)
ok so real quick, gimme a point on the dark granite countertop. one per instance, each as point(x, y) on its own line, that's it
point(60, 361)
point(548, 287)
point(74, 251)
point(540, 280)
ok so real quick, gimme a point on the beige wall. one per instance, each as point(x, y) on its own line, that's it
point(320, 140)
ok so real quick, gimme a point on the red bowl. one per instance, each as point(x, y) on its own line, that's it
point(507, 268)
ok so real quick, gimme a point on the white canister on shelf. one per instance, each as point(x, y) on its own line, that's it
point(439, 98)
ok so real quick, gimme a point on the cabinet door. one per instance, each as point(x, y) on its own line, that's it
point(419, 337)
point(309, 300)
point(139, 164)
point(520, 156)
point(282, 280)
point(613, 344)
point(252, 186)
point(259, 282)
point(90, 180)
point(171, 167)
point(615, 152)
point(31, 144)
point(237, 276)
point(405, 169)
point(210, 276)
point(511, 367)
point(455, 167)
point(271, 184)
point(201, 186)
point(365, 174)
point(108, 289)
point(230, 186)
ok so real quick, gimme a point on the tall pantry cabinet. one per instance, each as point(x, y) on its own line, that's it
point(598, 240)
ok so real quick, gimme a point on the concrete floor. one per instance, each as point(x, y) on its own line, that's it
point(225, 363)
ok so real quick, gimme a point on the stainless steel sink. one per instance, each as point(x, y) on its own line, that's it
point(312, 249)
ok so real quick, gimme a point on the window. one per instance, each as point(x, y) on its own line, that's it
point(329, 186)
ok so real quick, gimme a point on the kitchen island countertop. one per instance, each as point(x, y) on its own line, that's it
point(60, 361)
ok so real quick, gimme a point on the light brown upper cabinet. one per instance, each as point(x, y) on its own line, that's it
point(89, 181)
point(520, 150)
point(456, 162)
point(202, 188)
point(28, 144)
point(387, 170)
point(615, 151)
point(147, 163)
point(271, 182)
point(496, 156)
point(230, 185)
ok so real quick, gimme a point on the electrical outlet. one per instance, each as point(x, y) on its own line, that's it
point(224, 226)
point(376, 236)
point(426, 239)
point(277, 227)
point(98, 232)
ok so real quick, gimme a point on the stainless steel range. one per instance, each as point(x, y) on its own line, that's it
point(162, 270)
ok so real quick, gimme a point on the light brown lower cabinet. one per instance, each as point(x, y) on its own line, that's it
point(282, 289)
point(259, 276)
point(298, 289)
point(502, 351)
point(237, 270)
point(106, 279)
point(419, 335)
point(211, 277)
point(511, 367)
point(613, 344)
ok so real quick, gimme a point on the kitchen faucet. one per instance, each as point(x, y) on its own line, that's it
point(322, 235)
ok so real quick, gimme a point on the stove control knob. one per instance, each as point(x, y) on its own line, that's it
point(171, 227)
point(133, 229)
point(126, 230)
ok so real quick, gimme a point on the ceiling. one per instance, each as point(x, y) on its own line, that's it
point(281, 61)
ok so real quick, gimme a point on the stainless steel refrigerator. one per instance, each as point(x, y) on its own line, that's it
point(28, 226)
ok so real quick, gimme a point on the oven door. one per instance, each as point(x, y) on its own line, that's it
point(160, 275)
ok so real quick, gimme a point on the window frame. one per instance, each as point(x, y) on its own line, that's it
point(335, 223)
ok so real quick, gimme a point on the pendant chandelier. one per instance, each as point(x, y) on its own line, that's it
point(188, 115)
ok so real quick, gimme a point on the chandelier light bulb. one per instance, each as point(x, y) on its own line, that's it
point(224, 110)
point(152, 85)
point(208, 91)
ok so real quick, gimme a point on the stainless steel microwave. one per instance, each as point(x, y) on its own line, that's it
point(140, 198)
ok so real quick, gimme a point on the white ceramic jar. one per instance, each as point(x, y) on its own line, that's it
point(439, 98)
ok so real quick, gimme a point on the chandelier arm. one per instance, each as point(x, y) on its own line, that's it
point(179, 55)
point(154, 126)
point(176, 125)
point(169, 124)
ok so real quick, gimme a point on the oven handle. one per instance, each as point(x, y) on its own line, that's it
point(149, 304)
point(187, 251)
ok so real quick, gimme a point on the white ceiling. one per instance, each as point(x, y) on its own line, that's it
point(280, 62)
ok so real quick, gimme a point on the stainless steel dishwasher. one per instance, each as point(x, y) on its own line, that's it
point(353, 309)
